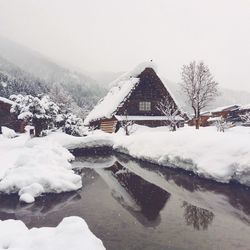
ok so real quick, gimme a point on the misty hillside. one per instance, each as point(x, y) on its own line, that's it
point(33, 67)
point(14, 80)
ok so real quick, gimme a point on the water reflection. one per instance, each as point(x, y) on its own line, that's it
point(231, 198)
point(197, 217)
point(11, 208)
point(141, 198)
point(143, 190)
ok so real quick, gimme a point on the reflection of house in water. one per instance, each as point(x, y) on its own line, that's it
point(142, 199)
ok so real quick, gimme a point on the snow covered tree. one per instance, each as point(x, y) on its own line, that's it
point(199, 87)
point(39, 112)
point(73, 125)
point(170, 110)
point(221, 124)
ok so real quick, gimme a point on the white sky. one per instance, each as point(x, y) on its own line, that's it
point(115, 35)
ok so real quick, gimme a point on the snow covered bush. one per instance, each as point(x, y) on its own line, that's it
point(72, 125)
point(127, 125)
point(39, 111)
point(8, 133)
point(222, 124)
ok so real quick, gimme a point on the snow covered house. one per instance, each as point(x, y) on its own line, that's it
point(231, 113)
point(133, 97)
point(8, 119)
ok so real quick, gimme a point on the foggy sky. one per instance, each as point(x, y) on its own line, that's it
point(115, 35)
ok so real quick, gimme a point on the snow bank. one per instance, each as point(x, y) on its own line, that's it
point(33, 167)
point(219, 156)
point(9, 133)
point(94, 139)
point(71, 233)
point(223, 157)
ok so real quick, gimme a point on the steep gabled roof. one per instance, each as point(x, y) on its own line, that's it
point(120, 91)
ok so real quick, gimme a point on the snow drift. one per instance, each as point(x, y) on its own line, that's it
point(33, 167)
point(71, 233)
point(223, 157)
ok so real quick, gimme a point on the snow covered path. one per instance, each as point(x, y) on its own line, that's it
point(71, 233)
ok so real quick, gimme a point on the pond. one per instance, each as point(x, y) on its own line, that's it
point(136, 205)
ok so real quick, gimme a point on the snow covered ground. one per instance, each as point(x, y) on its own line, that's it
point(31, 167)
point(71, 233)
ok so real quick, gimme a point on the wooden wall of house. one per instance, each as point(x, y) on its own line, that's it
point(203, 121)
point(151, 89)
point(108, 125)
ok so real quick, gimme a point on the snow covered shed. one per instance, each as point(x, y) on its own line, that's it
point(133, 97)
point(8, 119)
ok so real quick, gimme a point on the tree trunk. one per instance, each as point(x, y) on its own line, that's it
point(197, 123)
point(38, 127)
point(126, 130)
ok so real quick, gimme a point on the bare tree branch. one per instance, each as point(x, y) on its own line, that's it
point(199, 87)
point(170, 110)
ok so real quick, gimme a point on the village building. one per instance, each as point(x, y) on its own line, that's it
point(231, 113)
point(134, 97)
point(203, 121)
point(8, 119)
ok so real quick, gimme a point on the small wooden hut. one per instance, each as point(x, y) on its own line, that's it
point(133, 97)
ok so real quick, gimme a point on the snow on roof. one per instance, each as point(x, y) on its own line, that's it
point(219, 109)
point(214, 119)
point(243, 107)
point(145, 118)
point(120, 90)
point(5, 100)
point(206, 113)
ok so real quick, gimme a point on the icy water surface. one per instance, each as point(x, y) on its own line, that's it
point(135, 205)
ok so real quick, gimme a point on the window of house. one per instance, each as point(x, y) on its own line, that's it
point(145, 106)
